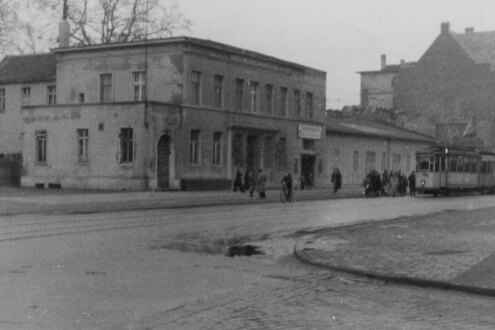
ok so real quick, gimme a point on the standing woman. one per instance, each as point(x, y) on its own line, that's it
point(261, 184)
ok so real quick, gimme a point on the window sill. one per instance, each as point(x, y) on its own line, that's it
point(40, 164)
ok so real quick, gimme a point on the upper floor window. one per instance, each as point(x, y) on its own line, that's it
point(254, 85)
point(309, 105)
point(139, 85)
point(52, 94)
point(217, 148)
point(126, 145)
point(269, 99)
point(297, 104)
point(25, 95)
point(194, 151)
point(41, 146)
point(196, 87)
point(239, 94)
point(82, 145)
point(106, 87)
point(2, 99)
point(218, 90)
point(283, 101)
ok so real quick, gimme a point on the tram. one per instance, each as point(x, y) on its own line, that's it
point(444, 170)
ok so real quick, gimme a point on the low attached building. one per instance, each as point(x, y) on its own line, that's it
point(357, 145)
point(177, 113)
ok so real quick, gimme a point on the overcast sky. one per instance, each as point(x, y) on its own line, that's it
point(340, 37)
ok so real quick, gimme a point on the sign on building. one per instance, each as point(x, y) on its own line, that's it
point(309, 132)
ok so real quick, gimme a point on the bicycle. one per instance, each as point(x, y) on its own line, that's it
point(284, 194)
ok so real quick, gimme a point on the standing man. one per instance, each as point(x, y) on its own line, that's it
point(238, 181)
point(412, 183)
point(287, 181)
point(336, 179)
point(261, 184)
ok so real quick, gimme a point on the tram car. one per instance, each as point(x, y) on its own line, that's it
point(445, 170)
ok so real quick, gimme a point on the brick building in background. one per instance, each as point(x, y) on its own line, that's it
point(449, 92)
point(177, 113)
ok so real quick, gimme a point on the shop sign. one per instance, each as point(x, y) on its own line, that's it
point(309, 132)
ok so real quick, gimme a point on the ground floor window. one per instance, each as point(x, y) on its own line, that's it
point(82, 145)
point(370, 161)
point(217, 148)
point(194, 152)
point(396, 162)
point(41, 146)
point(126, 145)
point(384, 161)
point(355, 160)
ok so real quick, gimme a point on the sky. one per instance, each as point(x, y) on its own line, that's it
point(340, 37)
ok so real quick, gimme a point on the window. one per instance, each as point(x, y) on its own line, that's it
point(237, 149)
point(196, 87)
point(370, 162)
point(139, 85)
point(126, 145)
point(355, 161)
point(283, 102)
point(25, 95)
point(268, 157)
point(254, 85)
point(239, 94)
point(106, 87)
point(297, 104)
point(408, 163)
point(384, 161)
point(269, 99)
point(51, 94)
point(81, 98)
point(309, 105)
point(82, 145)
point(2, 99)
point(396, 162)
point(194, 147)
point(218, 90)
point(217, 148)
point(282, 153)
point(41, 146)
point(308, 144)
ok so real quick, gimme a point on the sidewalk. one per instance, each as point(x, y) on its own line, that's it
point(449, 250)
point(18, 201)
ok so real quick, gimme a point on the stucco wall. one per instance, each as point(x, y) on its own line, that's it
point(379, 88)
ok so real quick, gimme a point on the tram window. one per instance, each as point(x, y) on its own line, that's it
point(437, 163)
point(431, 164)
point(423, 165)
point(474, 166)
point(453, 165)
point(490, 167)
point(460, 165)
point(484, 167)
point(467, 165)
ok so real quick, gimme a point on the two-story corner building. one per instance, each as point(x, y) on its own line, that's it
point(450, 87)
point(378, 86)
point(176, 113)
point(24, 80)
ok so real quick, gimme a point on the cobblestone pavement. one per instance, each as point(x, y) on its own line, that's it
point(455, 248)
point(330, 300)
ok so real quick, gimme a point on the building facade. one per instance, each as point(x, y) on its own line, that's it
point(177, 113)
point(451, 88)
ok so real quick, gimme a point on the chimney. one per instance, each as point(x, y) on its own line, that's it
point(64, 29)
point(445, 27)
point(402, 62)
point(469, 30)
point(384, 61)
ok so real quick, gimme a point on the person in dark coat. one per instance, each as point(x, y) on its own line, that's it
point(238, 181)
point(412, 183)
point(252, 183)
point(246, 179)
point(260, 186)
point(287, 181)
point(336, 179)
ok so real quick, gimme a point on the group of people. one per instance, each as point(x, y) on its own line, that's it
point(390, 183)
point(251, 182)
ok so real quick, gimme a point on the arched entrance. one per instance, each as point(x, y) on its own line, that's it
point(163, 162)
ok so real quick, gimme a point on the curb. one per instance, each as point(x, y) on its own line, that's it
point(299, 254)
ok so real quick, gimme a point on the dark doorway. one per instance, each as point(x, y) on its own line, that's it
point(163, 162)
point(252, 154)
point(307, 171)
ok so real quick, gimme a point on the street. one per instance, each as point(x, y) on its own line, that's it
point(167, 269)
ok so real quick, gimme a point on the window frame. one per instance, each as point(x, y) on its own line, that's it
point(51, 93)
point(254, 90)
point(217, 148)
point(41, 138)
point(196, 87)
point(297, 103)
point(195, 147)
point(25, 95)
point(309, 106)
point(269, 99)
point(239, 94)
point(82, 136)
point(355, 160)
point(106, 88)
point(139, 86)
point(126, 145)
point(218, 91)
point(284, 102)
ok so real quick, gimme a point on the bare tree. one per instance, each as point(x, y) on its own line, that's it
point(31, 26)
point(108, 21)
